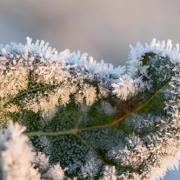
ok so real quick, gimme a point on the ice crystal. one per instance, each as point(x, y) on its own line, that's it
point(18, 159)
point(124, 88)
point(16, 155)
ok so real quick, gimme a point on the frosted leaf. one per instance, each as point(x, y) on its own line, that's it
point(92, 120)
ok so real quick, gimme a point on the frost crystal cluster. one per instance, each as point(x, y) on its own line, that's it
point(85, 119)
point(18, 160)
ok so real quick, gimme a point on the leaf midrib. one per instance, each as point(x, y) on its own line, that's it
point(77, 130)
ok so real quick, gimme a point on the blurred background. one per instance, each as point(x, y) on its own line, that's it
point(103, 28)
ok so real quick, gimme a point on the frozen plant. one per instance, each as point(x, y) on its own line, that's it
point(86, 119)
